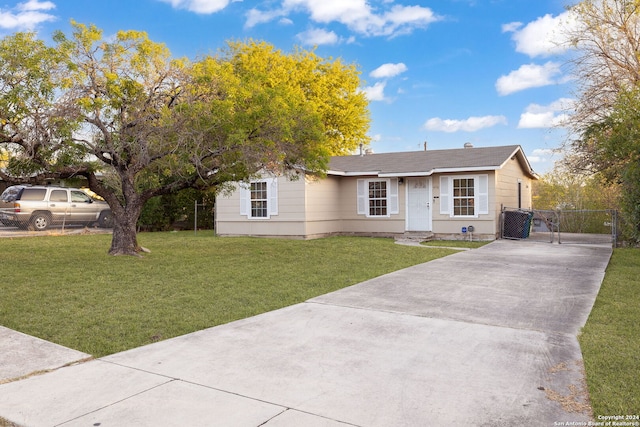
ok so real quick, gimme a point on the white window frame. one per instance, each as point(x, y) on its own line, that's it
point(272, 198)
point(363, 199)
point(480, 195)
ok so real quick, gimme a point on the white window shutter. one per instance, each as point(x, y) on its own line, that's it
point(244, 199)
point(445, 197)
point(273, 196)
point(362, 197)
point(482, 191)
point(393, 197)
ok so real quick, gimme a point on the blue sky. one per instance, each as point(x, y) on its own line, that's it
point(489, 72)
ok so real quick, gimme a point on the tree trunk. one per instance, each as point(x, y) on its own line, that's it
point(124, 240)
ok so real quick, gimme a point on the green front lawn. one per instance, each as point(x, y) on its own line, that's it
point(66, 289)
point(610, 340)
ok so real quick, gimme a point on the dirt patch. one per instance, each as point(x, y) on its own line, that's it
point(577, 399)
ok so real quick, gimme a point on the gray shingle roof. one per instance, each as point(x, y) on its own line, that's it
point(428, 162)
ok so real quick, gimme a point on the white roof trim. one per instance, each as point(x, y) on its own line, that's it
point(341, 173)
point(406, 174)
point(443, 170)
point(526, 160)
point(469, 169)
point(515, 152)
point(392, 174)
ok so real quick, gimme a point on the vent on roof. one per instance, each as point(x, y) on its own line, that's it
point(468, 145)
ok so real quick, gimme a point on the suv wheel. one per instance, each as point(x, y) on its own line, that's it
point(105, 220)
point(40, 221)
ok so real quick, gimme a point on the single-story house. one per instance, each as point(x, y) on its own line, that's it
point(441, 193)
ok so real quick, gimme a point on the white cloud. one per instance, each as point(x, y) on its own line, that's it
point(543, 152)
point(546, 116)
point(472, 124)
point(536, 120)
point(255, 17)
point(204, 7)
point(317, 37)
point(357, 15)
point(540, 155)
point(36, 5)
point(375, 92)
point(388, 70)
point(528, 76)
point(543, 37)
point(511, 27)
point(26, 16)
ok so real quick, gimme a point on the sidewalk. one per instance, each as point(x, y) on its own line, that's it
point(485, 337)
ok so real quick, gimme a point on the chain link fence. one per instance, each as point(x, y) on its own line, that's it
point(561, 226)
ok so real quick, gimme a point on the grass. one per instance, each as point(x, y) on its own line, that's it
point(610, 340)
point(67, 290)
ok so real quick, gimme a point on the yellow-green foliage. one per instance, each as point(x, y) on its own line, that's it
point(158, 125)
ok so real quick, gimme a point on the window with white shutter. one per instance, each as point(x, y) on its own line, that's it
point(259, 199)
point(377, 197)
point(464, 196)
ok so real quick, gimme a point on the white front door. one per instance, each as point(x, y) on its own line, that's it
point(418, 204)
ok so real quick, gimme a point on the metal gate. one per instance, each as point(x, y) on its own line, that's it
point(561, 226)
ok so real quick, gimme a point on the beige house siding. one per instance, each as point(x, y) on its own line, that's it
point(354, 223)
point(311, 207)
point(288, 222)
point(307, 208)
point(322, 206)
point(446, 226)
point(507, 186)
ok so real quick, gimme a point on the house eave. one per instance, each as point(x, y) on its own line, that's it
point(524, 162)
point(343, 173)
point(439, 170)
point(403, 174)
point(469, 169)
point(409, 174)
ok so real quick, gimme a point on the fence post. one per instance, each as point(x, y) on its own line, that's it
point(195, 218)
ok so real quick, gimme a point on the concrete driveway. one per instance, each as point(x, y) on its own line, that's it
point(485, 338)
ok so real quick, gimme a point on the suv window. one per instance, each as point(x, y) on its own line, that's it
point(33, 194)
point(11, 194)
point(80, 197)
point(58, 196)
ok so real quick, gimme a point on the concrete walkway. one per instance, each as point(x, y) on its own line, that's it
point(485, 337)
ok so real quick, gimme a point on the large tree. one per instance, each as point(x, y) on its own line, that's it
point(605, 125)
point(614, 151)
point(138, 123)
point(605, 35)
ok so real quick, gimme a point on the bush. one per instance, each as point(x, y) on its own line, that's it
point(177, 211)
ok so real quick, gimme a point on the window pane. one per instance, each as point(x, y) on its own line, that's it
point(58, 196)
point(463, 197)
point(34, 194)
point(377, 198)
point(79, 196)
point(259, 208)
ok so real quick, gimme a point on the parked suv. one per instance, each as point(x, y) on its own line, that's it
point(39, 207)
